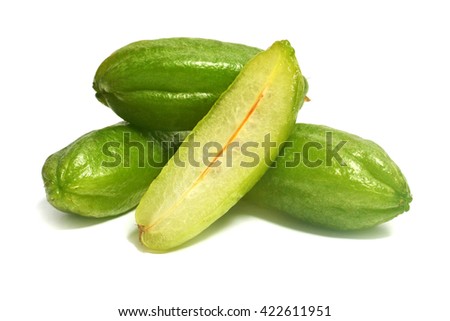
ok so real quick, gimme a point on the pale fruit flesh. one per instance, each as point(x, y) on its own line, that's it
point(184, 200)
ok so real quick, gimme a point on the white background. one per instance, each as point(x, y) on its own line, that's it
point(379, 69)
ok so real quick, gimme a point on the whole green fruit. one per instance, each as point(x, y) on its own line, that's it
point(105, 172)
point(362, 188)
point(168, 84)
point(333, 179)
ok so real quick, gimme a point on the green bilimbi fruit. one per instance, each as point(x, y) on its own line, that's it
point(105, 172)
point(359, 187)
point(168, 84)
point(197, 186)
point(333, 179)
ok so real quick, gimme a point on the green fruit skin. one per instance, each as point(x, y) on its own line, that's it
point(368, 191)
point(171, 83)
point(100, 174)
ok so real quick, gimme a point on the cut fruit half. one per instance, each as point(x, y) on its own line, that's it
point(226, 153)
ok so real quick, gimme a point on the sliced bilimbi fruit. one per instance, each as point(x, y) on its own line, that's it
point(226, 153)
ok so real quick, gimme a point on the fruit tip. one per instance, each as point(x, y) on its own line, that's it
point(285, 44)
point(101, 98)
point(405, 202)
point(141, 230)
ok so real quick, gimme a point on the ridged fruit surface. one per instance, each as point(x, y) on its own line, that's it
point(334, 179)
point(171, 83)
point(104, 172)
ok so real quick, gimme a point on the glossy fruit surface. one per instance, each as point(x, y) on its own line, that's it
point(354, 207)
point(171, 83)
point(104, 172)
point(199, 185)
point(334, 179)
